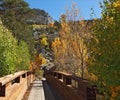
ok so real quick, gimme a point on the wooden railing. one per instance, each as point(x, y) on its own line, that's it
point(70, 87)
point(13, 86)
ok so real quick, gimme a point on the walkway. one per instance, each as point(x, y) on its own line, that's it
point(40, 91)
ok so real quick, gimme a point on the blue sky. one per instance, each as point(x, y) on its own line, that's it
point(57, 7)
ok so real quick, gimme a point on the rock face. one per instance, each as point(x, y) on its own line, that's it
point(40, 17)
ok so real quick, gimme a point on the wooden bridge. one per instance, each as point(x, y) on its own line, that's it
point(55, 86)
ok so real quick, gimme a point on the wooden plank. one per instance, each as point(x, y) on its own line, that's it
point(40, 91)
point(4, 80)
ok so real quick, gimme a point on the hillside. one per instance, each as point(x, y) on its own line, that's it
point(40, 17)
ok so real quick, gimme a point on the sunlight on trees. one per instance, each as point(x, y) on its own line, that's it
point(70, 49)
point(91, 48)
point(106, 50)
point(14, 55)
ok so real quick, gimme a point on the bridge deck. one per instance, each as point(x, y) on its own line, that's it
point(40, 91)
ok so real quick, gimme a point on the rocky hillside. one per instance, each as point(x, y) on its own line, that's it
point(40, 17)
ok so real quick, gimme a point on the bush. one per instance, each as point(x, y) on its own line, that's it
point(23, 56)
point(8, 51)
point(13, 56)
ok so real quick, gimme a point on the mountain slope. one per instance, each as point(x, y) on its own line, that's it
point(40, 17)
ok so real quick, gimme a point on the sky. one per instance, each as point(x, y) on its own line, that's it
point(57, 7)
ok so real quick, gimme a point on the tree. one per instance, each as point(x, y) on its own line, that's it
point(106, 50)
point(75, 35)
point(8, 51)
point(39, 60)
point(14, 14)
point(59, 51)
point(23, 56)
point(13, 56)
point(57, 25)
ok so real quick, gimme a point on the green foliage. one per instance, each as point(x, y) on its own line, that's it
point(39, 73)
point(23, 56)
point(18, 9)
point(106, 48)
point(8, 51)
point(14, 14)
point(13, 57)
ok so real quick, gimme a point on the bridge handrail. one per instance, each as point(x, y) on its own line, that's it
point(8, 78)
point(70, 86)
point(14, 86)
point(72, 77)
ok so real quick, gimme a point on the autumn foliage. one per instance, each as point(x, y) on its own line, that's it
point(106, 50)
point(70, 48)
point(91, 49)
point(39, 60)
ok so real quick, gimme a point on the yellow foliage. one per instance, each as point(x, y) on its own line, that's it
point(70, 50)
point(35, 26)
point(39, 59)
point(51, 25)
point(59, 49)
point(117, 3)
point(114, 91)
point(44, 41)
point(43, 60)
point(30, 66)
point(56, 42)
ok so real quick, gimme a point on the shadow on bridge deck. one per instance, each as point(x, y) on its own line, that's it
point(40, 90)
